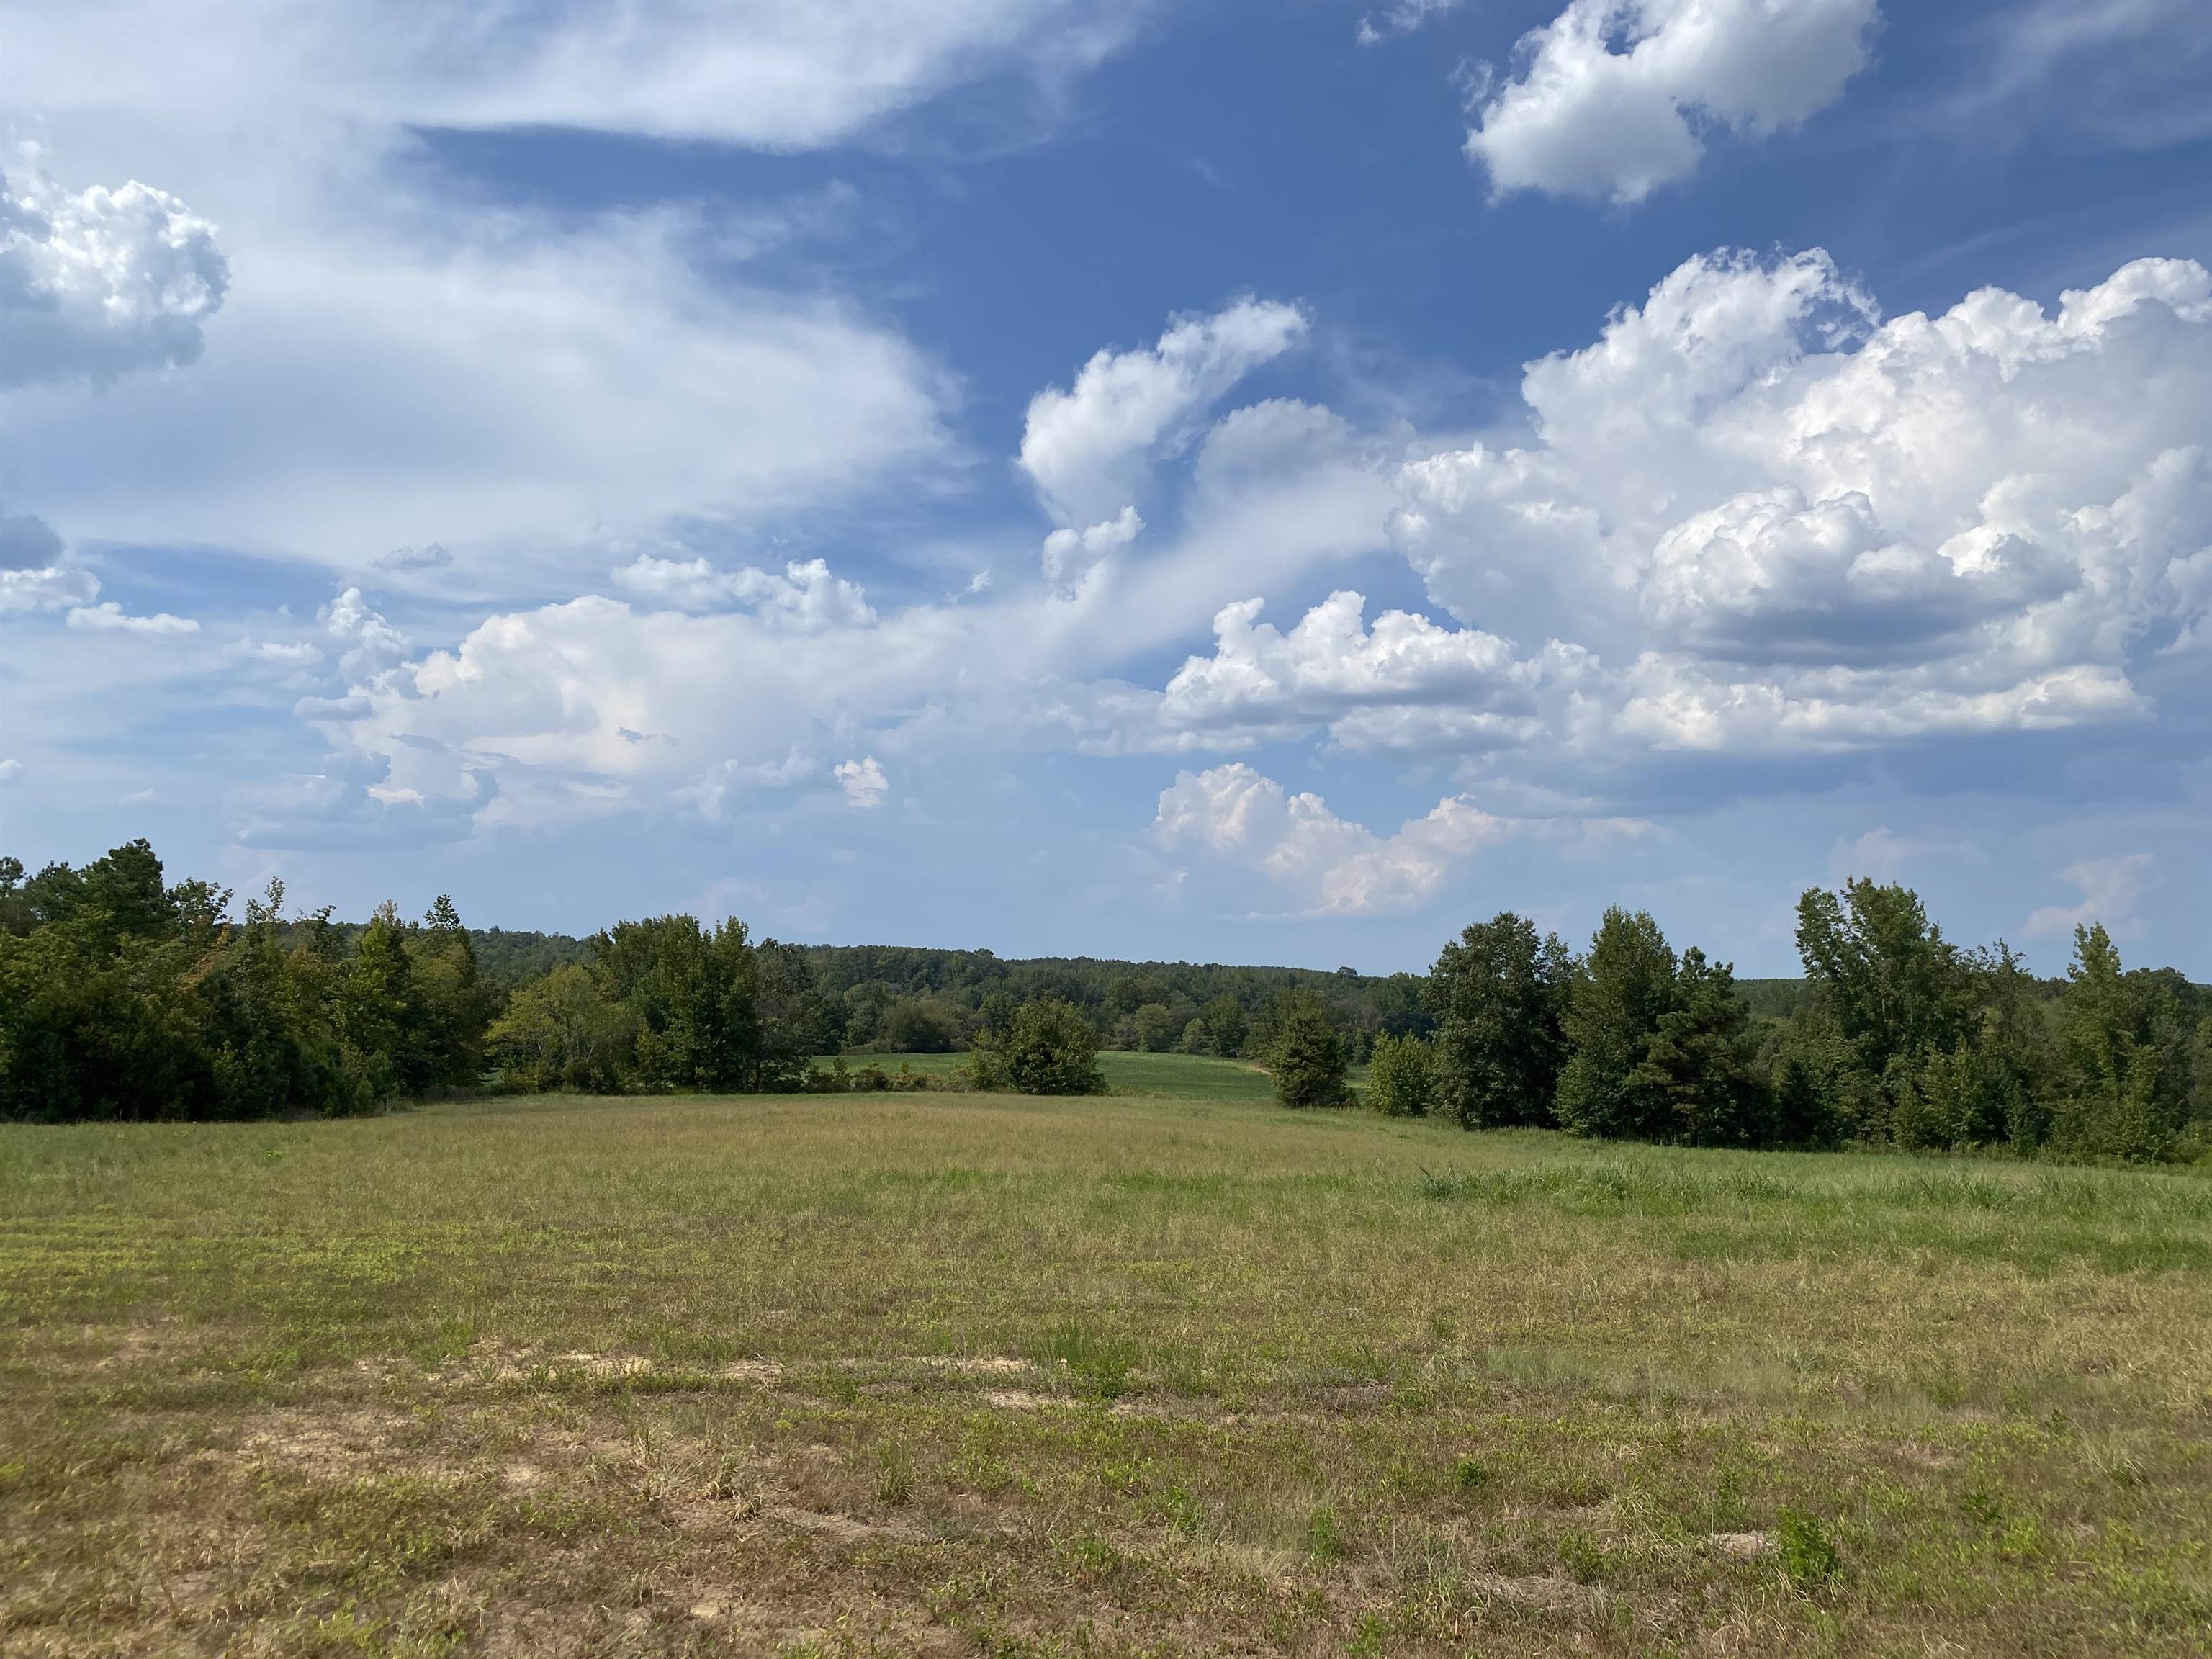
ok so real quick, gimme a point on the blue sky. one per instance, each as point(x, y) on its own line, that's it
point(1247, 483)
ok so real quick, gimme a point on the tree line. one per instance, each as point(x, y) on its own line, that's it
point(122, 997)
point(1898, 1037)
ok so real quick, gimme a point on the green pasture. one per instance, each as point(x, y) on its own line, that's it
point(1169, 1371)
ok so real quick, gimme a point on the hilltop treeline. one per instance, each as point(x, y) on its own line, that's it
point(901, 999)
point(122, 997)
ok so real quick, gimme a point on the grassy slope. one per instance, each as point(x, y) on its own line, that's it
point(974, 1375)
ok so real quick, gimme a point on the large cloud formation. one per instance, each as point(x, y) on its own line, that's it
point(95, 284)
point(1751, 517)
point(1610, 99)
point(407, 360)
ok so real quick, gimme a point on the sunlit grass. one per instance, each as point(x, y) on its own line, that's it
point(1165, 1371)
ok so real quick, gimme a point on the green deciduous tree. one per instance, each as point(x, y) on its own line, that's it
point(1497, 994)
point(1153, 1027)
point(1228, 1026)
point(1886, 981)
point(1048, 1048)
point(562, 1031)
point(2123, 1058)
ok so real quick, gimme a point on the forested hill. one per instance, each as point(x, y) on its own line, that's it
point(909, 995)
point(511, 957)
point(1113, 990)
point(508, 956)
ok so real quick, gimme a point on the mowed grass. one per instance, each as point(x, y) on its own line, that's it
point(959, 1374)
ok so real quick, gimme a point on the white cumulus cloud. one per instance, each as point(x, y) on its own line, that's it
point(863, 782)
point(1408, 683)
point(1088, 448)
point(1613, 98)
point(96, 284)
point(111, 617)
point(805, 597)
point(1069, 555)
point(48, 587)
point(1780, 522)
point(1330, 864)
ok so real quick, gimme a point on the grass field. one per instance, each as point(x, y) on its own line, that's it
point(1185, 1077)
point(1159, 1373)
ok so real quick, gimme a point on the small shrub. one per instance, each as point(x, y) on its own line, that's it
point(1048, 1048)
point(1470, 1475)
point(1402, 1078)
point(1807, 1555)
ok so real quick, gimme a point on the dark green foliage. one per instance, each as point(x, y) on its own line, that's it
point(1306, 1057)
point(1047, 1048)
point(1497, 994)
point(1232, 1000)
point(1155, 1029)
point(2123, 1058)
point(669, 1004)
point(455, 1002)
point(1615, 1000)
point(1905, 1039)
point(1991, 1087)
point(913, 1026)
point(507, 956)
point(1401, 1080)
point(1661, 1049)
point(1894, 1037)
point(688, 994)
point(121, 999)
point(1700, 1068)
point(1228, 1025)
point(798, 1018)
point(1884, 979)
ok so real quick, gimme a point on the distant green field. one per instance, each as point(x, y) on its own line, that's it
point(1170, 1373)
point(1194, 1077)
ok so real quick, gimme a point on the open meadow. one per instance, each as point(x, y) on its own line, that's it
point(1170, 1372)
